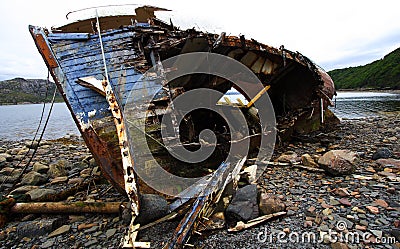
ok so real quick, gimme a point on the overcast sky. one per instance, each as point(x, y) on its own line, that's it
point(333, 33)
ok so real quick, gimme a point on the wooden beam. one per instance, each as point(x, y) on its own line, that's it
point(259, 94)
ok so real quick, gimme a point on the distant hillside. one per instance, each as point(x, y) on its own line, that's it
point(380, 74)
point(19, 90)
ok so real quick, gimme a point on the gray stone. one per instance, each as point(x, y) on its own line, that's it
point(61, 230)
point(23, 189)
point(59, 168)
point(349, 224)
point(90, 243)
point(92, 229)
point(40, 168)
point(243, 206)
point(338, 162)
point(37, 194)
point(152, 207)
point(32, 145)
point(38, 227)
point(270, 204)
point(324, 228)
point(33, 178)
point(296, 191)
point(382, 153)
point(110, 232)
point(49, 243)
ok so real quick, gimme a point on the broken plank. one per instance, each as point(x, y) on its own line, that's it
point(188, 223)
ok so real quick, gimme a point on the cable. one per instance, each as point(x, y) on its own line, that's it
point(38, 141)
point(36, 132)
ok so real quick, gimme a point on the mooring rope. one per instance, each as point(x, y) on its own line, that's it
point(38, 141)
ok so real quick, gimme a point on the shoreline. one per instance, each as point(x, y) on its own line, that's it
point(393, 91)
point(311, 198)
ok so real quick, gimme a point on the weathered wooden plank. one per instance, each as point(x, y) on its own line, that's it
point(68, 36)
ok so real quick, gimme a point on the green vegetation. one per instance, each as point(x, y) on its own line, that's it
point(380, 74)
point(19, 90)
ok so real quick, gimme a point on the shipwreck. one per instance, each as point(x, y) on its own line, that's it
point(98, 61)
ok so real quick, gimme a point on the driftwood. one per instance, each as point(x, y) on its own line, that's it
point(251, 223)
point(64, 207)
point(296, 165)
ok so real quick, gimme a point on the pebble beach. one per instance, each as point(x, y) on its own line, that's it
point(364, 202)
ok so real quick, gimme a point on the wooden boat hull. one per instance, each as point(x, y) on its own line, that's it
point(300, 91)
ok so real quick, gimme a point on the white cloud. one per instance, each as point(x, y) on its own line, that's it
point(331, 33)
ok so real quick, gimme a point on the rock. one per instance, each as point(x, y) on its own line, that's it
point(345, 202)
point(110, 232)
point(59, 168)
point(361, 228)
point(270, 204)
point(7, 156)
point(339, 245)
point(33, 178)
point(338, 162)
point(31, 144)
point(395, 233)
point(38, 227)
point(308, 161)
point(49, 243)
point(85, 173)
point(3, 160)
point(37, 194)
point(327, 211)
point(288, 157)
point(40, 168)
point(152, 207)
point(23, 189)
point(84, 226)
point(60, 179)
point(91, 242)
point(341, 192)
point(61, 230)
point(382, 153)
point(76, 180)
point(92, 229)
point(381, 203)
point(373, 209)
point(22, 151)
point(393, 163)
point(243, 206)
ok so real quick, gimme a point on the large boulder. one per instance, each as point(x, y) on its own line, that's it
point(338, 162)
point(152, 207)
